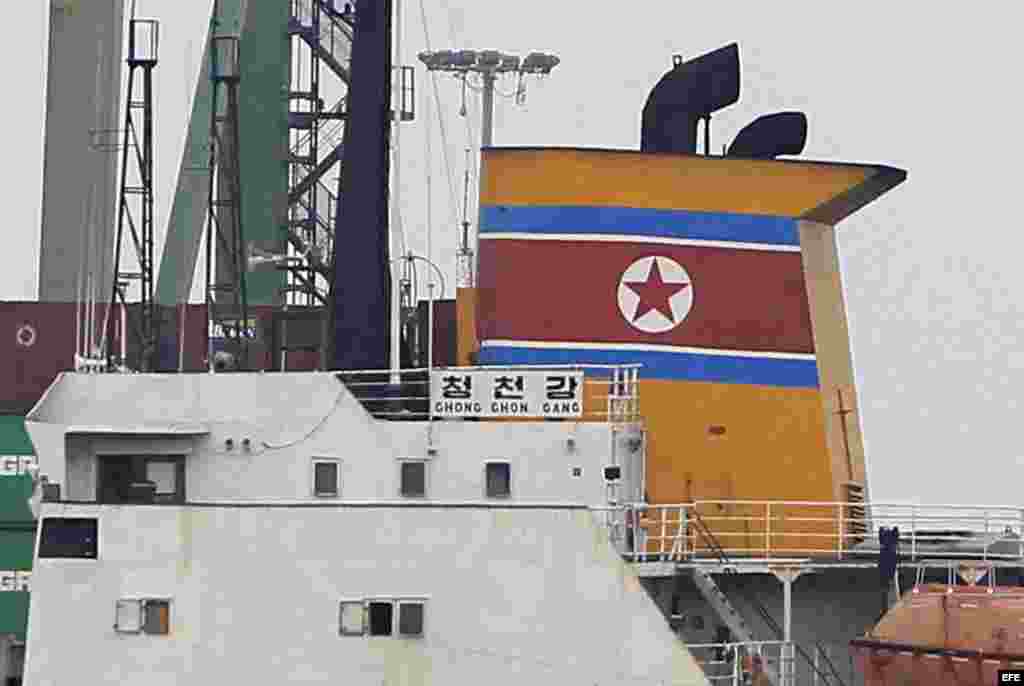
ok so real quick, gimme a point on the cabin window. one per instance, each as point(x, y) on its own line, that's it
point(143, 616)
point(381, 614)
point(141, 479)
point(128, 616)
point(352, 618)
point(413, 478)
point(498, 477)
point(69, 537)
point(410, 618)
point(326, 478)
point(377, 618)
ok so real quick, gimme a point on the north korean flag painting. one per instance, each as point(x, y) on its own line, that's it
point(697, 296)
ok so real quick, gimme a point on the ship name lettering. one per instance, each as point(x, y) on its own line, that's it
point(567, 407)
point(510, 407)
point(456, 407)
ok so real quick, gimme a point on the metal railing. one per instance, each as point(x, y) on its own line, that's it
point(761, 529)
point(746, 664)
point(610, 393)
point(335, 35)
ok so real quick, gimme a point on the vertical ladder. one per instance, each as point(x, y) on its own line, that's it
point(226, 300)
point(135, 202)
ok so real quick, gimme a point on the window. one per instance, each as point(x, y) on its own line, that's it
point(377, 617)
point(163, 475)
point(410, 618)
point(147, 616)
point(69, 537)
point(325, 478)
point(413, 479)
point(352, 618)
point(128, 618)
point(380, 618)
point(499, 479)
point(156, 617)
point(141, 479)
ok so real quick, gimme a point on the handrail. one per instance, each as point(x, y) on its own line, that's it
point(710, 539)
point(491, 368)
point(769, 529)
point(609, 393)
point(732, 655)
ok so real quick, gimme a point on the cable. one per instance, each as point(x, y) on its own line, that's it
point(440, 118)
point(334, 407)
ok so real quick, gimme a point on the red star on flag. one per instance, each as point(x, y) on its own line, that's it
point(654, 293)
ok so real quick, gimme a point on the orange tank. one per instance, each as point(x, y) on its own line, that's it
point(938, 634)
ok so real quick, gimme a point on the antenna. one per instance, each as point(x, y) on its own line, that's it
point(464, 258)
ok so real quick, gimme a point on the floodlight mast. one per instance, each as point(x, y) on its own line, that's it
point(489, 64)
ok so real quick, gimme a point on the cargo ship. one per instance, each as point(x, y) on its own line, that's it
point(627, 450)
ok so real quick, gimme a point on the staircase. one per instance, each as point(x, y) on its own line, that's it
point(732, 618)
point(727, 612)
point(334, 47)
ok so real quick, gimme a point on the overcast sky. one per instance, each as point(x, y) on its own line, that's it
point(931, 271)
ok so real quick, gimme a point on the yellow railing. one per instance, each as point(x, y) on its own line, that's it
point(763, 529)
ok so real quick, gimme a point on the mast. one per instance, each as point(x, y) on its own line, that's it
point(396, 217)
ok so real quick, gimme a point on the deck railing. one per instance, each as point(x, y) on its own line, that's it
point(746, 664)
point(761, 529)
point(610, 393)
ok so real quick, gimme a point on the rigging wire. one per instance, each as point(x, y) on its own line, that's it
point(453, 207)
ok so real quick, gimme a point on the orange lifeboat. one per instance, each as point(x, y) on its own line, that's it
point(943, 634)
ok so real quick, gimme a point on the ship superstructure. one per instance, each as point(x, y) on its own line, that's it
point(196, 509)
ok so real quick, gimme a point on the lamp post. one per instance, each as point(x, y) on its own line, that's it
point(489, 64)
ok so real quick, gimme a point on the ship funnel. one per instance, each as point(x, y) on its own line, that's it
point(771, 135)
point(689, 92)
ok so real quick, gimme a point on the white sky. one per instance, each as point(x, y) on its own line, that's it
point(931, 272)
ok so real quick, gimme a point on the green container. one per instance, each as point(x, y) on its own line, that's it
point(17, 527)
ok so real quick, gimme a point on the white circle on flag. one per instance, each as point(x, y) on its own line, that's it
point(655, 294)
point(26, 336)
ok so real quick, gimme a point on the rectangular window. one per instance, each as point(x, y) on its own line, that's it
point(381, 618)
point(352, 618)
point(413, 479)
point(147, 616)
point(69, 537)
point(128, 619)
point(499, 479)
point(325, 478)
point(410, 618)
point(163, 475)
point(141, 479)
point(157, 617)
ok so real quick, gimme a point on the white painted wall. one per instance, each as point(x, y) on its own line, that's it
point(514, 596)
point(292, 418)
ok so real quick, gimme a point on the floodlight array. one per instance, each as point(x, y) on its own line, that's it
point(488, 61)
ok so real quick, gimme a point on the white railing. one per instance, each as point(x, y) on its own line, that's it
point(741, 664)
point(761, 529)
point(610, 393)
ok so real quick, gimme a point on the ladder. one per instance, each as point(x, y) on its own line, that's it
point(728, 613)
point(856, 513)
